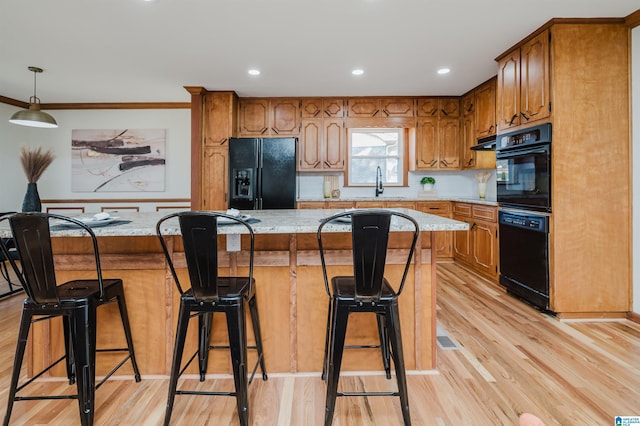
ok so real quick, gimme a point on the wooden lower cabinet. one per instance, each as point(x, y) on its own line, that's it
point(444, 240)
point(477, 248)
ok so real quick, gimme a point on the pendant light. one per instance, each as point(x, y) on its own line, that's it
point(33, 116)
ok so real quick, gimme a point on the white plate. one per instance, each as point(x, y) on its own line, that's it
point(225, 221)
point(92, 222)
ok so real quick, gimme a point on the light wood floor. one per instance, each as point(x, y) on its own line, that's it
point(513, 359)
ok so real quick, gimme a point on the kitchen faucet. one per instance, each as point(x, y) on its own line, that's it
point(379, 187)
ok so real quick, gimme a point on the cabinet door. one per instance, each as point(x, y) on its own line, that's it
point(363, 107)
point(334, 143)
point(484, 250)
point(444, 241)
point(508, 91)
point(311, 143)
point(468, 140)
point(427, 107)
point(218, 118)
point(485, 111)
point(534, 79)
point(468, 129)
point(311, 108)
point(333, 107)
point(397, 107)
point(215, 176)
point(449, 107)
point(427, 143)
point(449, 143)
point(462, 242)
point(285, 117)
point(253, 117)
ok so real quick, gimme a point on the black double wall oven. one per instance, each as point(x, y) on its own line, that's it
point(523, 175)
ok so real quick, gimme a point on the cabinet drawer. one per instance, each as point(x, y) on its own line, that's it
point(440, 208)
point(488, 213)
point(462, 209)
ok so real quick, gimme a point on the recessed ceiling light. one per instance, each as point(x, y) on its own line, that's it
point(444, 71)
point(357, 71)
point(254, 72)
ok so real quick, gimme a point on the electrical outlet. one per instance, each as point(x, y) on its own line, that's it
point(233, 242)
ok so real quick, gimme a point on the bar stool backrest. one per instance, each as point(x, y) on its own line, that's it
point(199, 231)
point(370, 236)
point(32, 238)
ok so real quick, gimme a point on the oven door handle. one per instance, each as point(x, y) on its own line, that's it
point(518, 153)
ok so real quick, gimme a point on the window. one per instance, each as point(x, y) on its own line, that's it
point(370, 148)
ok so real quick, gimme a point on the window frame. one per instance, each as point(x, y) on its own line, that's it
point(402, 157)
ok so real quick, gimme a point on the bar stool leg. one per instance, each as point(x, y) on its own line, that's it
point(122, 306)
point(384, 345)
point(178, 349)
point(83, 323)
point(325, 360)
point(236, 327)
point(71, 369)
point(393, 326)
point(338, 333)
point(205, 323)
point(255, 322)
point(23, 334)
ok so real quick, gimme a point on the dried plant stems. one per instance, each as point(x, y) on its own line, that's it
point(35, 162)
point(483, 177)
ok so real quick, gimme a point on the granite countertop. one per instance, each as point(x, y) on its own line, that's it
point(266, 222)
point(408, 199)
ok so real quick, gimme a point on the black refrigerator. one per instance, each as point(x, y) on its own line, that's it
point(262, 173)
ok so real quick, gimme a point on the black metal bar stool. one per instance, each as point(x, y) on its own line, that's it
point(210, 293)
point(75, 301)
point(367, 290)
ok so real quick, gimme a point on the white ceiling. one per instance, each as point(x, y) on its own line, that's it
point(132, 51)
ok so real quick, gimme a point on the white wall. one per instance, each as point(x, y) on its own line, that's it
point(454, 184)
point(635, 119)
point(55, 183)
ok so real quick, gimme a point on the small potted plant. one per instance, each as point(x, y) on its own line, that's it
point(427, 183)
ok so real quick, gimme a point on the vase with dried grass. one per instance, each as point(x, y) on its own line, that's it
point(34, 163)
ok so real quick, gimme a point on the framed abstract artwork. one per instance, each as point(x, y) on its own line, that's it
point(118, 160)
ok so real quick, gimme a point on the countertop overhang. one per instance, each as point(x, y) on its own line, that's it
point(293, 221)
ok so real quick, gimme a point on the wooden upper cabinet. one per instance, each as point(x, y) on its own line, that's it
point(449, 143)
point(397, 107)
point(253, 117)
point(438, 107)
point(485, 109)
point(368, 107)
point(322, 107)
point(523, 84)
point(285, 117)
point(468, 129)
point(219, 121)
point(426, 144)
point(322, 144)
point(335, 143)
point(534, 79)
point(260, 117)
point(311, 144)
point(508, 91)
point(438, 138)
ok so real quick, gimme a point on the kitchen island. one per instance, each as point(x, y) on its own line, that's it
point(291, 296)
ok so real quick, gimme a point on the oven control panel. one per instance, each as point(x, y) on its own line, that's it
point(532, 222)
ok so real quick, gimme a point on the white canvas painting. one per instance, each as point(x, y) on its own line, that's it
point(118, 160)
